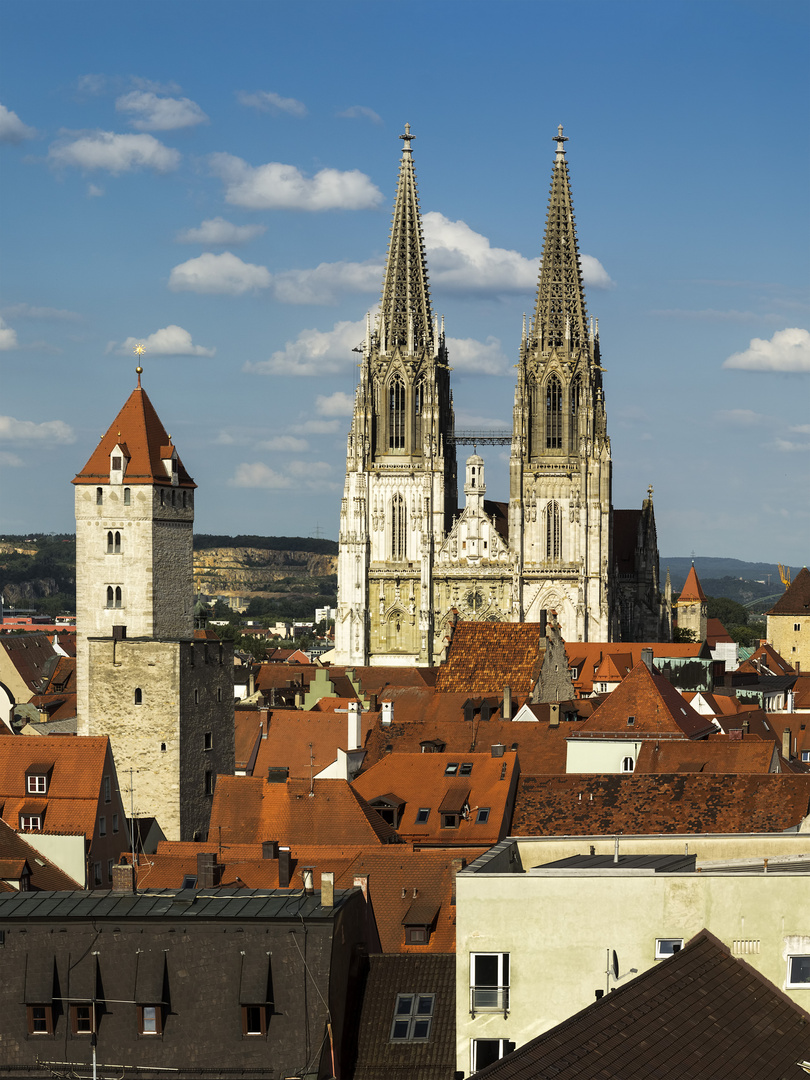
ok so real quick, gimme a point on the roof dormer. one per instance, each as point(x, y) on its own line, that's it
point(168, 455)
point(119, 460)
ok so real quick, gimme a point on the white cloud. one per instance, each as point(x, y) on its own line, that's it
point(29, 311)
point(8, 337)
point(787, 446)
point(800, 429)
point(283, 187)
point(259, 475)
point(788, 350)
point(309, 476)
point(478, 357)
point(153, 113)
point(10, 461)
point(26, 431)
point(91, 85)
point(12, 129)
point(337, 404)
point(267, 101)
point(314, 352)
point(327, 281)
point(284, 444)
point(115, 153)
point(170, 341)
point(741, 417)
point(94, 191)
point(225, 273)
point(219, 231)
point(594, 275)
point(321, 427)
point(360, 112)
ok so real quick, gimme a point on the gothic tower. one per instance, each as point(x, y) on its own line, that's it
point(164, 698)
point(560, 465)
point(400, 491)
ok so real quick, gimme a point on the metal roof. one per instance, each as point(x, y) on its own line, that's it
point(217, 903)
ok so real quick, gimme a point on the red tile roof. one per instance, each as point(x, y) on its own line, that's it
point(139, 426)
point(765, 660)
point(44, 875)
point(306, 742)
point(692, 591)
point(483, 657)
point(796, 598)
point(717, 754)
point(587, 656)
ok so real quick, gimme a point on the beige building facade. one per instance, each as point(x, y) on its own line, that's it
point(788, 623)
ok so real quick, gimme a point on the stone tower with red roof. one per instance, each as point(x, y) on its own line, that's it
point(692, 607)
point(164, 698)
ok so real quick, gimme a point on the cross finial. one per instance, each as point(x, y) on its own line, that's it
point(139, 350)
point(407, 138)
point(560, 139)
point(650, 491)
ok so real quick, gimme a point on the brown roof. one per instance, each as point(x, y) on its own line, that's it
point(249, 725)
point(692, 591)
point(653, 704)
point(589, 804)
point(44, 875)
point(306, 742)
point(588, 656)
point(715, 631)
point(701, 1013)
point(33, 656)
point(765, 660)
point(139, 426)
point(796, 598)
point(483, 657)
point(717, 754)
point(248, 809)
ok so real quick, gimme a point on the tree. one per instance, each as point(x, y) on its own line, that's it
point(682, 636)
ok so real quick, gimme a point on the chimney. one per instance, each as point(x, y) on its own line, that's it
point(746, 726)
point(647, 658)
point(299, 699)
point(497, 749)
point(543, 621)
point(308, 879)
point(554, 715)
point(506, 708)
point(373, 702)
point(269, 849)
point(328, 889)
point(361, 882)
point(786, 736)
point(455, 866)
point(123, 878)
point(284, 867)
point(387, 713)
point(206, 869)
point(355, 730)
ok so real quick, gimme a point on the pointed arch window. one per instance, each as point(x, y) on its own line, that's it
point(398, 524)
point(109, 543)
point(110, 596)
point(535, 419)
point(396, 414)
point(118, 597)
point(553, 530)
point(418, 411)
point(573, 430)
point(553, 414)
point(117, 544)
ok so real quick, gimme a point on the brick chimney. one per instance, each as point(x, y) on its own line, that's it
point(207, 870)
point(328, 889)
point(786, 738)
point(123, 878)
point(269, 849)
point(506, 710)
point(284, 867)
point(387, 713)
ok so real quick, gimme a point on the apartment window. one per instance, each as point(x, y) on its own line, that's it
point(30, 822)
point(628, 765)
point(413, 1015)
point(97, 873)
point(209, 782)
point(99, 496)
point(417, 935)
point(138, 696)
point(450, 821)
point(107, 789)
point(489, 982)
point(451, 768)
point(667, 946)
point(466, 768)
point(631, 721)
point(81, 1019)
point(805, 755)
point(37, 783)
point(40, 1019)
point(254, 1019)
point(116, 463)
point(797, 627)
point(126, 496)
point(422, 814)
point(208, 741)
point(799, 971)
point(102, 826)
point(115, 823)
point(482, 817)
point(488, 1051)
point(150, 1020)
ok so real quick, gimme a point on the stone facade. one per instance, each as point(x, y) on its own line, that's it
point(789, 623)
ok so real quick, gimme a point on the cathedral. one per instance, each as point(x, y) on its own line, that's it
point(410, 560)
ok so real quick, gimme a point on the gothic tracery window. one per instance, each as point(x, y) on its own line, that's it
point(398, 523)
point(553, 414)
point(396, 414)
point(553, 530)
point(576, 393)
point(418, 410)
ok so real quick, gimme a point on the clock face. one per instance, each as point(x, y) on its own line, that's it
point(474, 599)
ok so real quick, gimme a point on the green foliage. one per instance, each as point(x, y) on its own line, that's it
point(748, 634)
point(45, 580)
point(728, 611)
point(682, 636)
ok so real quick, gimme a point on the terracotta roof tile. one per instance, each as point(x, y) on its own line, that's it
point(33, 657)
point(765, 660)
point(483, 657)
point(306, 742)
point(796, 598)
point(717, 754)
point(139, 426)
point(44, 875)
point(692, 591)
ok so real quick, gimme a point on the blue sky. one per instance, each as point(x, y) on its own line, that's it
point(215, 179)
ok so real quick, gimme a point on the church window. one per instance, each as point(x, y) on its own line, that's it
point(110, 596)
point(109, 543)
point(99, 496)
point(418, 410)
point(576, 391)
point(398, 539)
point(138, 696)
point(396, 414)
point(536, 417)
point(553, 414)
point(117, 543)
point(553, 530)
point(118, 597)
point(126, 496)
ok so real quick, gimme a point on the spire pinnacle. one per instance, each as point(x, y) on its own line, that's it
point(405, 315)
point(139, 350)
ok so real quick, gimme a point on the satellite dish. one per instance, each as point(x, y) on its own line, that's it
point(615, 965)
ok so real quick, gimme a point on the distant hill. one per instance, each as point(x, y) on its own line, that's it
point(745, 582)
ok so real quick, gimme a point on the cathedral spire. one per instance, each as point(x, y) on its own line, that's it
point(560, 316)
point(405, 315)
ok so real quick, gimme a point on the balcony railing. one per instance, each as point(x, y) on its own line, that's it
point(489, 999)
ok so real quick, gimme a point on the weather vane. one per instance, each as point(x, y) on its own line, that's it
point(139, 350)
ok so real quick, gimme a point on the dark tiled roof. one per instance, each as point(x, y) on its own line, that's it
point(33, 656)
point(378, 1058)
point(499, 514)
point(139, 426)
point(700, 1014)
point(796, 599)
point(590, 803)
point(626, 525)
point(485, 656)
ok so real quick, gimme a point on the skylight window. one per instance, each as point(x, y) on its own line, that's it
point(452, 768)
point(422, 814)
point(465, 769)
point(482, 817)
point(413, 1016)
